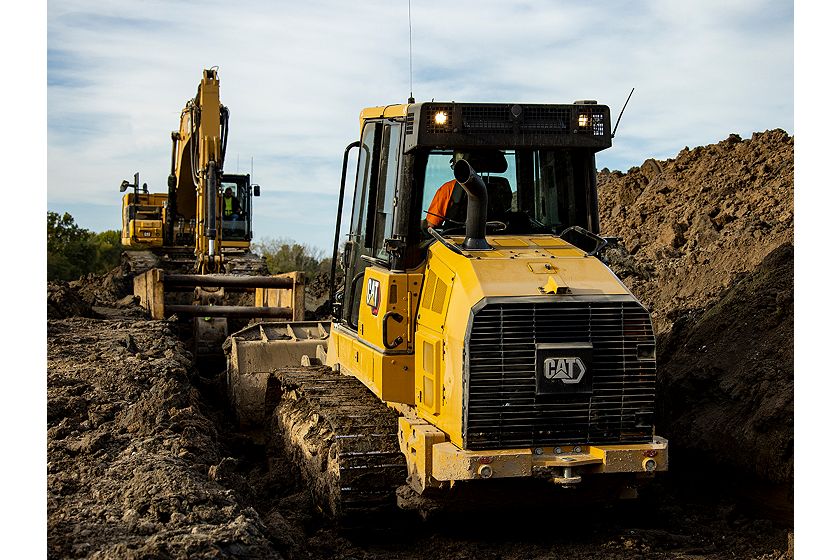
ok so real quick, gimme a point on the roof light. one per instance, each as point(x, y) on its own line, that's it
point(583, 120)
point(441, 117)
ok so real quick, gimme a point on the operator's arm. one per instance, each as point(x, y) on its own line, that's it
point(440, 204)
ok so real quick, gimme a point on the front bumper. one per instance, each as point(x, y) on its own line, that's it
point(434, 462)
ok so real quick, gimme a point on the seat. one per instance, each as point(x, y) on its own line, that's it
point(499, 197)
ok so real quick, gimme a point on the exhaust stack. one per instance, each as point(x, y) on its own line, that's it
point(475, 239)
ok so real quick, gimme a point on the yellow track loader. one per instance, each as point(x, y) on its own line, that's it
point(476, 336)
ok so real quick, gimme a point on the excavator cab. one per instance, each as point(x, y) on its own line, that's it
point(236, 206)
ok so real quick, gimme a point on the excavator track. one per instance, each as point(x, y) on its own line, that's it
point(181, 260)
point(245, 264)
point(173, 260)
point(341, 437)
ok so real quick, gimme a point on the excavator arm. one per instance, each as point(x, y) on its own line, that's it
point(198, 154)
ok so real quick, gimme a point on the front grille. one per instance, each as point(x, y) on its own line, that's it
point(504, 410)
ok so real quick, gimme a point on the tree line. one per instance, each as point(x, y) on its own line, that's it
point(73, 251)
point(286, 255)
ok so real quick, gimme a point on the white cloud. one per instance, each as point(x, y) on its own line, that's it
point(295, 76)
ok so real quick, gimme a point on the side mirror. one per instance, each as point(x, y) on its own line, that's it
point(256, 190)
point(124, 185)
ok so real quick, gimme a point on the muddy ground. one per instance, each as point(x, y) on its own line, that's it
point(144, 463)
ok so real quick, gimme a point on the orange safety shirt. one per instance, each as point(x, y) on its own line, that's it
point(440, 203)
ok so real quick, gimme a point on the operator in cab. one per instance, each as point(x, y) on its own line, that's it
point(450, 201)
point(231, 208)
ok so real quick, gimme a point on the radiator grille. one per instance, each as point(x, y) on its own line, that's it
point(503, 408)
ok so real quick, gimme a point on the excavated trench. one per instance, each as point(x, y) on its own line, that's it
point(144, 459)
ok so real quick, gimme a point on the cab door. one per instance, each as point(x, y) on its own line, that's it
point(372, 218)
point(372, 340)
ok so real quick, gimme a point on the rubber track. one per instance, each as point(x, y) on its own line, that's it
point(341, 437)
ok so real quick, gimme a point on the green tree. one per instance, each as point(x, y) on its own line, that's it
point(73, 251)
point(108, 245)
point(286, 255)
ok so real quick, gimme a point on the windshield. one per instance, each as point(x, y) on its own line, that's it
point(529, 190)
point(235, 207)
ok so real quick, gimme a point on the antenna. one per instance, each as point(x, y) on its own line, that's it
point(410, 62)
point(621, 113)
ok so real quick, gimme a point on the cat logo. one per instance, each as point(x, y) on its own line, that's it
point(372, 298)
point(567, 370)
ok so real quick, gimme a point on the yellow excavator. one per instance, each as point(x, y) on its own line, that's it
point(191, 254)
point(204, 220)
point(472, 342)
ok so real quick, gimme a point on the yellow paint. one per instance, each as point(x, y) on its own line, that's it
point(464, 282)
point(417, 439)
point(143, 231)
point(382, 112)
point(396, 297)
point(389, 376)
point(433, 461)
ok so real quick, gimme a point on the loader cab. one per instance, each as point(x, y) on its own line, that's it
point(236, 209)
point(538, 162)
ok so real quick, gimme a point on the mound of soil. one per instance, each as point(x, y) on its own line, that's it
point(691, 224)
point(727, 373)
point(63, 301)
point(133, 462)
point(105, 289)
point(318, 295)
point(706, 246)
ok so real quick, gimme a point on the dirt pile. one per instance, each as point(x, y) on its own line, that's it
point(103, 296)
point(133, 463)
point(691, 224)
point(64, 301)
point(727, 373)
point(318, 295)
point(706, 246)
point(105, 289)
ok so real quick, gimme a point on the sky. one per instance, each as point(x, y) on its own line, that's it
point(296, 74)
